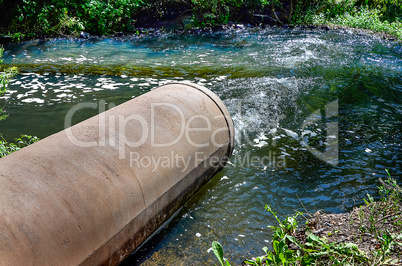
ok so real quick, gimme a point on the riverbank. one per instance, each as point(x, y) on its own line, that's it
point(368, 235)
point(30, 19)
point(217, 29)
point(374, 228)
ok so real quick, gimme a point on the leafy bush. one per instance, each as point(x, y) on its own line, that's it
point(363, 18)
point(56, 17)
point(7, 148)
point(52, 17)
point(103, 17)
point(215, 11)
point(391, 10)
point(315, 251)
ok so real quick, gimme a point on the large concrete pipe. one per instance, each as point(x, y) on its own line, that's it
point(91, 194)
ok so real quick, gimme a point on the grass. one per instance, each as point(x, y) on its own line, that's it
point(380, 220)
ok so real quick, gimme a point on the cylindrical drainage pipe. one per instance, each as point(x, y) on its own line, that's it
point(91, 194)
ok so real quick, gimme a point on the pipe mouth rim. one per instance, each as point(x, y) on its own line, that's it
point(219, 103)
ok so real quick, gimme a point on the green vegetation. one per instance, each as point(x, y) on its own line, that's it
point(24, 140)
point(7, 148)
point(362, 18)
point(381, 220)
point(26, 19)
point(56, 17)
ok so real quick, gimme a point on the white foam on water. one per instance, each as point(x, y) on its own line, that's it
point(32, 100)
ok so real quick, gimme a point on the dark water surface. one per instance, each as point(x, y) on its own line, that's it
point(291, 94)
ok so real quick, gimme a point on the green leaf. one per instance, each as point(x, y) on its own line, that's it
point(275, 245)
point(351, 246)
point(291, 239)
point(265, 250)
point(320, 254)
point(282, 258)
point(218, 251)
point(288, 255)
point(307, 250)
point(313, 237)
point(282, 246)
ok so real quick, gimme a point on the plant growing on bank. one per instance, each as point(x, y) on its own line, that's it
point(215, 11)
point(7, 148)
point(218, 251)
point(314, 250)
point(58, 17)
point(362, 18)
point(386, 211)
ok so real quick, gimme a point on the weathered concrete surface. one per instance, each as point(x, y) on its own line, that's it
point(77, 197)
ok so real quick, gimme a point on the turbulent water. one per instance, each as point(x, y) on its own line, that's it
point(318, 118)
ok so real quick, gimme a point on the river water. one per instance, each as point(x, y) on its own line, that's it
point(317, 114)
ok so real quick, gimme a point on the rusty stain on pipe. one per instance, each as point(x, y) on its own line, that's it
point(92, 193)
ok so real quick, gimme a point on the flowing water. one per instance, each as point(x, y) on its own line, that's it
point(318, 118)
